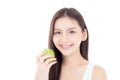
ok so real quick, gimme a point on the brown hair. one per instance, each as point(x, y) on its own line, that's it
point(55, 70)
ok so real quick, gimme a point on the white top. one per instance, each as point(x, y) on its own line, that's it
point(88, 72)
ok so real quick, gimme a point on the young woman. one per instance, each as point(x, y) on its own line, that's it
point(68, 38)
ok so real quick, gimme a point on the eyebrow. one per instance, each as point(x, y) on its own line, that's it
point(67, 29)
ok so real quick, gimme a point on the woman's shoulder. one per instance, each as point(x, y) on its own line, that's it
point(99, 73)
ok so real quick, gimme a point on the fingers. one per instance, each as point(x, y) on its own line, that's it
point(42, 59)
point(50, 62)
point(45, 60)
point(38, 56)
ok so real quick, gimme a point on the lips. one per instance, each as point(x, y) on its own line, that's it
point(66, 46)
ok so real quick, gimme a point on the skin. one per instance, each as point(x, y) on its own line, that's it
point(67, 38)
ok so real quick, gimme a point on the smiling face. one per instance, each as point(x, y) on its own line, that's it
point(68, 35)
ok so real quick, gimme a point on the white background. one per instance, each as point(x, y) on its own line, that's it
point(24, 27)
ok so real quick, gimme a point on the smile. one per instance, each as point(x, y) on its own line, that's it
point(66, 46)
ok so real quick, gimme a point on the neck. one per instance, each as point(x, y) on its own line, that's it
point(74, 60)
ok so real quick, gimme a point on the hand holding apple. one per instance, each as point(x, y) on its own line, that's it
point(45, 60)
point(49, 51)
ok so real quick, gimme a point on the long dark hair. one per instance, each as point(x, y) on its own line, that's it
point(55, 70)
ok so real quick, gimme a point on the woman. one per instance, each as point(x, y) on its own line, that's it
point(68, 37)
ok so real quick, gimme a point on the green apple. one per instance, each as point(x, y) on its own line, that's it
point(49, 51)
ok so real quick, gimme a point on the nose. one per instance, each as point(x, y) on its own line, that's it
point(64, 38)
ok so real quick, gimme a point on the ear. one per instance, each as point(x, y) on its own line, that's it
point(84, 35)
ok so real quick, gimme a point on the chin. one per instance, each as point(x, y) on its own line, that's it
point(66, 52)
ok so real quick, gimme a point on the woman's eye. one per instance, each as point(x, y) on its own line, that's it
point(57, 32)
point(72, 32)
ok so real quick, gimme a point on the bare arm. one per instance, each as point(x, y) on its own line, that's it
point(36, 76)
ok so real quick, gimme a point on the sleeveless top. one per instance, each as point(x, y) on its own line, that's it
point(88, 71)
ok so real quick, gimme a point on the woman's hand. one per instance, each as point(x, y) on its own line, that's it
point(44, 63)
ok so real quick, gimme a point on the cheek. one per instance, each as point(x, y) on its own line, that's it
point(55, 40)
point(77, 39)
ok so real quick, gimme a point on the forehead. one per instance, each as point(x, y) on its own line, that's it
point(66, 22)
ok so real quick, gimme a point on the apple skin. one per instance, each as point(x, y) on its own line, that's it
point(49, 51)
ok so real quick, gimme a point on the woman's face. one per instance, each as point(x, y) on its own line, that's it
point(67, 35)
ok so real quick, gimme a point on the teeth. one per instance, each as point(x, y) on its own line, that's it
point(65, 46)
